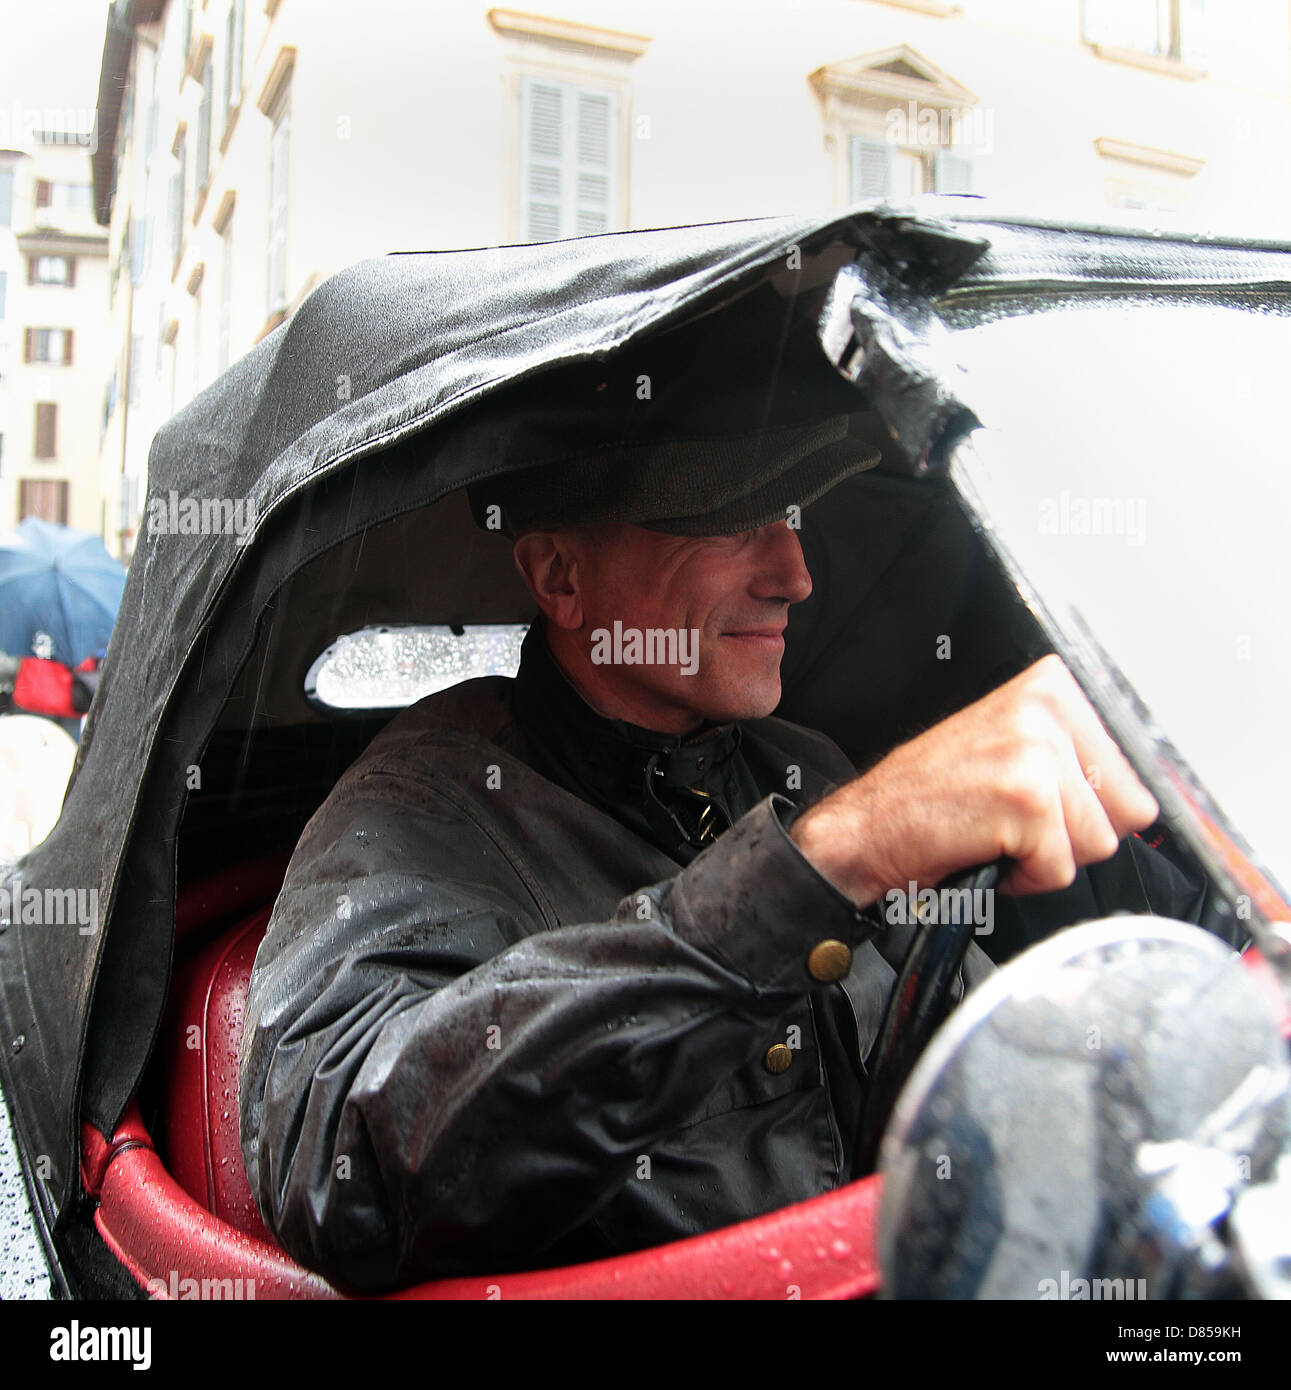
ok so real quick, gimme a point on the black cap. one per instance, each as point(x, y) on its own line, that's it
point(691, 487)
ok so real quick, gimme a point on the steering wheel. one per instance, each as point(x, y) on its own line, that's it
point(917, 1007)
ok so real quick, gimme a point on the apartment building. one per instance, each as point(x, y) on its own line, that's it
point(249, 148)
point(53, 335)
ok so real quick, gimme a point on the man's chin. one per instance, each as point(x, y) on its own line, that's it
point(734, 706)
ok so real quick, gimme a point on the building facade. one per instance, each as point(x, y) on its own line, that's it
point(250, 148)
point(53, 336)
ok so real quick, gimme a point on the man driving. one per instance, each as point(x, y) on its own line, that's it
point(594, 959)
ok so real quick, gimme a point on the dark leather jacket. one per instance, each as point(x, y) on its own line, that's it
point(491, 1025)
point(506, 1016)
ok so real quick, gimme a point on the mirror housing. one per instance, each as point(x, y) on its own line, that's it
point(1085, 1122)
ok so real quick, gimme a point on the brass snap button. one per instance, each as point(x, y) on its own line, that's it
point(829, 961)
point(778, 1058)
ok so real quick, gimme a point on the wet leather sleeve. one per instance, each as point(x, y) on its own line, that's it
point(433, 1083)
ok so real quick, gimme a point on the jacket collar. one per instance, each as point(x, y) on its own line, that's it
point(548, 705)
point(649, 779)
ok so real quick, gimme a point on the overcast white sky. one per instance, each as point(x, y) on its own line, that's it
point(49, 56)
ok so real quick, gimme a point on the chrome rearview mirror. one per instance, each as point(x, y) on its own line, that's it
point(1094, 1122)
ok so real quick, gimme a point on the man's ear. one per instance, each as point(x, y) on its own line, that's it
point(548, 562)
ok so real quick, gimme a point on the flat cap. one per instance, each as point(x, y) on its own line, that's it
point(691, 487)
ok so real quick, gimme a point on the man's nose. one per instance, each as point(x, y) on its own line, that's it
point(782, 573)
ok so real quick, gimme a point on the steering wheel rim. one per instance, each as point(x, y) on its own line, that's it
point(916, 1008)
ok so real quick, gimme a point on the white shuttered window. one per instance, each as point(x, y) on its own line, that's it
point(953, 173)
point(878, 169)
point(871, 169)
point(1169, 28)
point(569, 140)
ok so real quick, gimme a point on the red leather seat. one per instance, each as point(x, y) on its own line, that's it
point(207, 1004)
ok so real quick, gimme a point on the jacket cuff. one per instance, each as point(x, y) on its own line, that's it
point(754, 902)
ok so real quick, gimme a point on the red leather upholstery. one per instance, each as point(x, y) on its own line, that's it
point(207, 1003)
point(176, 1249)
point(97, 1152)
point(821, 1249)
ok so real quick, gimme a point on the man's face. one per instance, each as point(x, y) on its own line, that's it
point(726, 599)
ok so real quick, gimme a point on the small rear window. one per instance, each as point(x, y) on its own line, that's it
point(392, 667)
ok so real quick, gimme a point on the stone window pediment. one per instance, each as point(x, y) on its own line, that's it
point(897, 125)
point(900, 73)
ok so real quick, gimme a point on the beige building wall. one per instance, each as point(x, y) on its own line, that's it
point(11, 172)
point(53, 338)
point(421, 126)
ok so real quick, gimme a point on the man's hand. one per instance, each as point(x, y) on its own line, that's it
point(1028, 773)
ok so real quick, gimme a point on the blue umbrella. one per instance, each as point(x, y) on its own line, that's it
point(57, 581)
